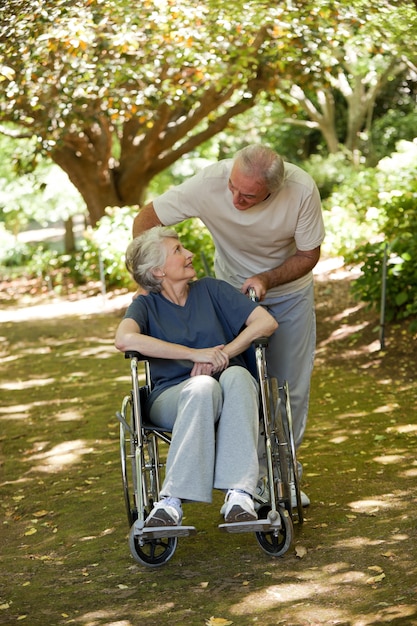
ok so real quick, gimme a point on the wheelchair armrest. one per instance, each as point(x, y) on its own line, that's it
point(261, 341)
point(132, 354)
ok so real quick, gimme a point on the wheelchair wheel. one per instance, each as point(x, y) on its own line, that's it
point(292, 459)
point(152, 552)
point(127, 456)
point(279, 448)
point(277, 542)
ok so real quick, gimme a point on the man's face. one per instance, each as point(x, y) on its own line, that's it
point(245, 190)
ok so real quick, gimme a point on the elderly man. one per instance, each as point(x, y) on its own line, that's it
point(266, 221)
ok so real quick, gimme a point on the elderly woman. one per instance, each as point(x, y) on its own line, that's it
point(194, 333)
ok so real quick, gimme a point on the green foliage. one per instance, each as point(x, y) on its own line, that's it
point(33, 187)
point(117, 95)
point(100, 254)
point(329, 171)
point(195, 237)
point(395, 196)
point(12, 253)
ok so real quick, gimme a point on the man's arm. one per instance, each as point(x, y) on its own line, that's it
point(145, 219)
point(294, 267)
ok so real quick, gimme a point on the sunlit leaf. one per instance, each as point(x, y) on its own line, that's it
point(300, 551)
point(375, 579)
point(218, 621)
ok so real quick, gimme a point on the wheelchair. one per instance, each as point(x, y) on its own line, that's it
point(142, 469)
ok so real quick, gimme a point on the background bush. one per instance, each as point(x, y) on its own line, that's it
point(392, 196)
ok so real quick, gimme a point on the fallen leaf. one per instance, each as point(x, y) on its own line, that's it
point(300, 551)
point(30, 531)
point(375, 579)
point(218, 621)
point(376, 568)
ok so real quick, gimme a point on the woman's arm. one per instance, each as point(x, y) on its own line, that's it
point(260, 323)
point(129, 337)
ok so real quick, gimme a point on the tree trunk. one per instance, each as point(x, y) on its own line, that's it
point(69, 238)
point(103, 181)
point(324, 119)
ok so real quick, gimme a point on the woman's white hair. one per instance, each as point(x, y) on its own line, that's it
point(261, 163)
point(145, 254)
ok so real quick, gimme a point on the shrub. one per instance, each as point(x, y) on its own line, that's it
point(396, 192)
point(100, 254)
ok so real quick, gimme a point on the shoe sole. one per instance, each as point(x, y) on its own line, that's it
point(237, 514)
point(162, 518)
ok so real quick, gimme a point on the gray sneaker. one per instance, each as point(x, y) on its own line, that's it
point(305, 500)
point(262, 495)
point(238, 508)
point(164, 514)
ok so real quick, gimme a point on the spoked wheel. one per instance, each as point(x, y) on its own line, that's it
point(292, 459)
point(127, 452)
point(151, 552)
point(277, 542)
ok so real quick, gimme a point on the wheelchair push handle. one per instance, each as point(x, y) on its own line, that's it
point(260, 341)
point(252, 294)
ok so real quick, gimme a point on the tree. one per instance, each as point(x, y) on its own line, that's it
point(115, 95)
point(346, 55)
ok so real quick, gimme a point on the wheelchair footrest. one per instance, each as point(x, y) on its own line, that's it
point(158, 532)
point(257, 526)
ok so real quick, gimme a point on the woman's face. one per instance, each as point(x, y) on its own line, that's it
point(178, 265)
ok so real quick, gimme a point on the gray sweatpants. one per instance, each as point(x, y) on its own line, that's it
point(291, 350)
point(215, 428)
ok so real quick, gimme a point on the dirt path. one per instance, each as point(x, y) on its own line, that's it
point(65, 558)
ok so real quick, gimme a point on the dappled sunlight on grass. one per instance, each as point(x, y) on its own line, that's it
point(409, 473)
point(342, 332)
point(311, 591)
point(386, 408)
point(403, 429)
point(60, 456)
point(23, 411)
point(390, 459)
point(357, 543)
point(372, 505)
point(19, 385)
point(98, 352)
point(96, 617)
point(69, 415)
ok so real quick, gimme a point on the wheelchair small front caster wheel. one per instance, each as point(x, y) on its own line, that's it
point(277, 541)
point(151, 552)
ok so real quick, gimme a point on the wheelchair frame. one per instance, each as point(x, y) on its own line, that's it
point(141, 470)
